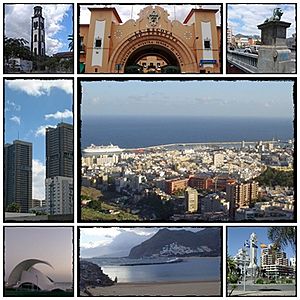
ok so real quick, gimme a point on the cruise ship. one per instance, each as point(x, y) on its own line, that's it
point(98, 150)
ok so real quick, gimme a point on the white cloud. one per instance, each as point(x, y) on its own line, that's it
point(12, 106)
point(60, 115)
point(94, 237)
point(38, 179)
point(41, 131)
point(16, 119)
point(244, 18)
point(18, 23)
point(40, 87)
point(141, 231)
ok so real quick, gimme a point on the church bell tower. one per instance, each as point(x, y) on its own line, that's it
point(37, 32)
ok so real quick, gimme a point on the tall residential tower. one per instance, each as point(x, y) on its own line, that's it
point(18, 174)
point(59, 169)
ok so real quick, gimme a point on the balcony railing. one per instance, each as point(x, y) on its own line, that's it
point(242, 60)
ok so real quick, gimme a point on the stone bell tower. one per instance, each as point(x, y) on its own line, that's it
point(37, 32)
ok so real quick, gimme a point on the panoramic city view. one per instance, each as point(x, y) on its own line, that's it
point(152, 261)
point(38, 150)
point(261, 261)
point(261, 38)
point(38, 38)
point(44, 268)
point(187, 150)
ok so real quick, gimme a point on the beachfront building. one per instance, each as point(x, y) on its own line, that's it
point(275, 264)
point(151, 44)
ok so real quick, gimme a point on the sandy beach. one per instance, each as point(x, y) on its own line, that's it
point(198, 288)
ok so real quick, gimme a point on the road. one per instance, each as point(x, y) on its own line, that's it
point(264, 289)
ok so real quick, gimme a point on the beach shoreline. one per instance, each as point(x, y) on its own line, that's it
point(173, 288)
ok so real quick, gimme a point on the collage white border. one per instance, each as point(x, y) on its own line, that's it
point(74, 76)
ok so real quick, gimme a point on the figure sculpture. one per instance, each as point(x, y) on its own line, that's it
point(277, 13)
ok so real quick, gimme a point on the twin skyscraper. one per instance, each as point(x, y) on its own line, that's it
point(59, 196)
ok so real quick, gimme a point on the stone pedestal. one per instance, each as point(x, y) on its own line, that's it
point(274, 55)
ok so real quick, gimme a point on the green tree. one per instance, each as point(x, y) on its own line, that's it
point(13, 207)
point(233, 274)
point(283, 236)
point(233, 271)
point(95, 204)
point(273, 177)
point(14, 47)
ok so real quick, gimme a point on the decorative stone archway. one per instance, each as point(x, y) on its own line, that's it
point(158, 40)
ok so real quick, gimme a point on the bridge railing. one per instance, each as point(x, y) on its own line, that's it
point(244, 61)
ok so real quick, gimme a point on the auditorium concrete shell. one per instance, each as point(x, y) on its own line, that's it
point(24, 275)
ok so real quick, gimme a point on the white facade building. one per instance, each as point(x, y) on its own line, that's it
point(59, 195)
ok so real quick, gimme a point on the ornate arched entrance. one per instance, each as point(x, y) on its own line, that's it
point(157, 42)
point(152, 59)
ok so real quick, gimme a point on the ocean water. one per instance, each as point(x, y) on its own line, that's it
point(191, 269)
point(64, 285)
point(135, 132)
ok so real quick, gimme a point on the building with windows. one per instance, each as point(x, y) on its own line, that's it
point(191, 200)
point(59, 195)
point(151, 43)
point(242, 260)
point(175, 185)
point(240, 195)
point(218, 160)
point(18, 174)
point(59, 169)
point(274, 263)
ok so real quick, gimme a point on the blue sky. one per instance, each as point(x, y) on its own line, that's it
point(189, 98)
point(30, 106)
point(244, 18)
point(58, 24)
point(238, 235)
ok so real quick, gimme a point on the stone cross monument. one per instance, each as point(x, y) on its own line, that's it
point(252, 268)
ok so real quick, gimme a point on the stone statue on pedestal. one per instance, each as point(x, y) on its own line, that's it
point(273, 54)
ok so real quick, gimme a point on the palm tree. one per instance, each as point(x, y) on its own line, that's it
point(71, 43)
point(283, 236)
point(233, 271)
point(233, 275)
